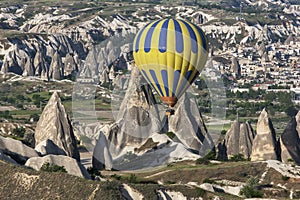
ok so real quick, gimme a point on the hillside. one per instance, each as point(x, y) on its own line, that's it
point(181, 180)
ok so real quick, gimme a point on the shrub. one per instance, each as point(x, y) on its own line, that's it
point(35, 117)
point(237, 158)
point(171, 135)
point(47, 167)
point(93, 172)
point(19, 132)
point(250, 189)
point(285, 178)
point(117, 177)
point(207, 180)
point(132, 178)
point(203, 161)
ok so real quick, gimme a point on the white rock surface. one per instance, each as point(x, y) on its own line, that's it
point(16, 150)
point(72, 166)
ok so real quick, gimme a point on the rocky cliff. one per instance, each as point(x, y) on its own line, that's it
point(54, 124)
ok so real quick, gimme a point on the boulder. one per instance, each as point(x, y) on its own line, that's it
point(16, 150)
point(290, 143)
point(54, 124)
point(7, 158)
point(102, 158)
point(71, 165)
point(264, 144)
point(47, 147)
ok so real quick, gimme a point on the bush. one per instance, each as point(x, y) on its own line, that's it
point(209, 156)
point(35, 117)
point(47, 167)
point(203, 161)
point(93, 172)
point(250, 190)
point(285, 178)
point(237, 158)
point(132, 178)
point(19, 132)
point(171, 135)
point(207, 180)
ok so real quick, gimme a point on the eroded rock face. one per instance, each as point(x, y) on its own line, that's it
point(16, 150)
point(298, 123)
point(42, 56)
point(47, 147)
point(290, 143)
point(71, 165)
point(239, 139)
point(188, 125)
point(54, 124)
point(235, 67)
point(138, 117)
point(102, 158)
point(264, 143)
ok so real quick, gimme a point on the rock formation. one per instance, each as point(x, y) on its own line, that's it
point(54, 124)
point(47, 147)
point(298, 123)
point(157, 150)
point(16, 150)
point(239, 139)
point(138, 117)
point(222, 151)
point(56, 70)
point(101, 155)
point(188, 125)
point(235, 67)
point(290, 142)
point(29, 68)
point(72, 166)
point(7, 158)
point(42, 56)
point(264, 143)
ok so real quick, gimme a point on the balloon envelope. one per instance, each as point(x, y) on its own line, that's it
point(170, 54)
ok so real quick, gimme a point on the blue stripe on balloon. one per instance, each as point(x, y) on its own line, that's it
point(193, 37)
point(202, 37)
point(147, 78)
point(152, 72)
point(185, 81)
point(162, 46)
point(175, 82)
point(164, 75)
point(179, 37)
point(139, 38)
point(147, 45)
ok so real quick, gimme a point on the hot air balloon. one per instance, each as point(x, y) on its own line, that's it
point(170, 54)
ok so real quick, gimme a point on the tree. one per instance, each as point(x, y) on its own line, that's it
point(250, 190)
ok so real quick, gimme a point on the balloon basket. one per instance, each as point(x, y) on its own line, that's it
point(170, 112)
